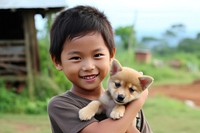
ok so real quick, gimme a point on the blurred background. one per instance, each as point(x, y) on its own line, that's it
point(158, 37)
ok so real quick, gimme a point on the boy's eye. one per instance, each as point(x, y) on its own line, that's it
point(75, 58)
point(117, 85)
point(131, 90)
point(98, 55)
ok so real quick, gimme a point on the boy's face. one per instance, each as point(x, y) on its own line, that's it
point(85, 61)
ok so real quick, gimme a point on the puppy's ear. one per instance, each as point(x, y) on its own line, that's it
point(145, 81)
point(115, 67)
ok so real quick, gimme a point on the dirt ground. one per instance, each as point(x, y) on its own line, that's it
point(189, 92)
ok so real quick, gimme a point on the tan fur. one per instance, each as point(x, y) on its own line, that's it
point(124, 85)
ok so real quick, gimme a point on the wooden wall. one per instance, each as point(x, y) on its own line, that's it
point(19, 57)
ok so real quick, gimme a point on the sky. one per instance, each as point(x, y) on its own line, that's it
point(148, 16)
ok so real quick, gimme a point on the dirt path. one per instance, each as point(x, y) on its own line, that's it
point(180, 92)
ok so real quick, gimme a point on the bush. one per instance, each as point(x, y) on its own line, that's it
point(45, 88)
point(20, 103)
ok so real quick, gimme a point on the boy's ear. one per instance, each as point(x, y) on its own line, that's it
point(113, 53)
point(57, 65)
point(145, 81)
point(115, 67)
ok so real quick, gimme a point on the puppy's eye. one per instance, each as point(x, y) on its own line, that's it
point(131, 90)
point(117, 85)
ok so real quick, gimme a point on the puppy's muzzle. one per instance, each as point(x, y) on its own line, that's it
point(120, 98)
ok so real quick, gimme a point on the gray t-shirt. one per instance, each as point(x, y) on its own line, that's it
point(63, 114)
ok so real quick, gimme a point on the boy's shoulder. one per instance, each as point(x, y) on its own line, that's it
point(69, 96)
point(58, 98)
point(67, 99)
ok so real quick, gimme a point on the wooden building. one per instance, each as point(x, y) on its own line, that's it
point(19, 57)
point(142, 56)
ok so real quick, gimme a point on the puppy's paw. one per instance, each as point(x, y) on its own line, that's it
point(86, 113)
point(117, 112)
point(116, 115)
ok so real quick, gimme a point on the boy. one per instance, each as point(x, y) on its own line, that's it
point(82, 46)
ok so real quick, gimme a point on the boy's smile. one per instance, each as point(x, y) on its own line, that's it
point(85, 61)
point(90, 78)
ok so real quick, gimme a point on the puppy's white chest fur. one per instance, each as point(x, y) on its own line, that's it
point(107, 103)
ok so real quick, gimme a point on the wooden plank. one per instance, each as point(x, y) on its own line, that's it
point(9, 50)
point(13, 42)
point(12, 59)
point(13, 67)
point(13, 78)
point(6, 72)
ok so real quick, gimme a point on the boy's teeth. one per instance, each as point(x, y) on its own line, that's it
point(89, 77)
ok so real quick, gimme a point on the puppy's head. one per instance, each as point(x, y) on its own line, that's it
point(126, 84)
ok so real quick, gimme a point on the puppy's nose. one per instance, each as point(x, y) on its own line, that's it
point(120, 97)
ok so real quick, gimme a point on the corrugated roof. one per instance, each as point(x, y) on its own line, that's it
point(31, 4)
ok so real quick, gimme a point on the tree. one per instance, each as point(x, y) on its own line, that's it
point(127, 36)
point(198, 36)
point(174, 34)
point(189, 45)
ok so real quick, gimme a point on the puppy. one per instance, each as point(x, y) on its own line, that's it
point(124, 85)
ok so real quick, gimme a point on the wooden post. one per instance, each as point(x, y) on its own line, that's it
point(34, 44)
point(27, 36)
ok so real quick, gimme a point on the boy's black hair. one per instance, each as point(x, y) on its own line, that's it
point(79, 21)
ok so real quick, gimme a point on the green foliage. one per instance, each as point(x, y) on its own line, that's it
point(45, 88)
point(48, 69)
point(149, 39)
point(188, 58)
point(189, 45)
point(36, 107)
point(127, 35)
point(20, 103)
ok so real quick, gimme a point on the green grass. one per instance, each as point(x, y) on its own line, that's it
point(163, 114)
point(170, 116)
point(21, 123)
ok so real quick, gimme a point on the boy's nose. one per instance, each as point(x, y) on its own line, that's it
point(88, 65)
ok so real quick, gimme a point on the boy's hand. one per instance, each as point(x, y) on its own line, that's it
point(138, 103)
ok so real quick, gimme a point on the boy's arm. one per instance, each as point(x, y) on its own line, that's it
point(123, 124)
point(132, 130)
